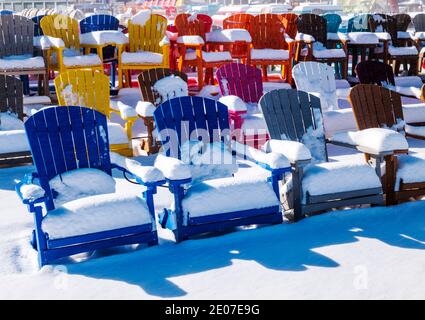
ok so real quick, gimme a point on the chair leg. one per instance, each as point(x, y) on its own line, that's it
point(128, 78)
point(200, 77)
point(265, 77)
point(120, 84)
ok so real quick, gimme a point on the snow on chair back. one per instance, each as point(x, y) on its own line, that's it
point(375, 72)
point(37, 28)
point(240, 80)
point(16, 35)
point(333, 22)
point(11, 95)
point(319, 78)
point(99, 22)
point(67, 138)
point(295, 115)
point(147, 79)
point(376, 107)
point(191, 118)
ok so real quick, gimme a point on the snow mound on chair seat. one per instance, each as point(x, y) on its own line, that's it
point(333, 177)
point(103, 37)
point(233, 103)
point(402, 51)
point(363, 38)
point(81, 183)
point(143, 57)
point(269, 86)
point(408, 81)
point(95, 214)
point(269, 54)
point(228, 35)
point(21, 62)
point(227, 195)
point(9, 121)
point(13, 141)
point(170, 87)
point(190, 40)
point(83, 60)
point(410, 169)
point(116, 134)
point(31, 191)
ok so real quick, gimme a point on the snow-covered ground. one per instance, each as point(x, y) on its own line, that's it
point(360, 253)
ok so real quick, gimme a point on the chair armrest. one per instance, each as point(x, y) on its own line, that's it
point(145, 109)
point(30, 193)
point(294, 151)
point(191, 41)
point(126, 112)
point(303, 37)
point(174, 170)
point(164, 42)
point(373, 141)
point(48, 42)
point(417, 132)
point(146, 175)
point(273, 161)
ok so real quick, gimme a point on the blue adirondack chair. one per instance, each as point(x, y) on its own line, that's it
point(6, 12)
point(333, 21)
point(100, 22)
point(184, 120)
point(62, 140)
point(37, 28)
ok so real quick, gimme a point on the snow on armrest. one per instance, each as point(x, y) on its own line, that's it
point(126, 111)
point(409, 91)
point(145, 109)
point(233, 103)
point(165, 41)
point(288, 38)
point(272, 160)
point(48, 42)
point(418, 131)
point(148, 174)
point(31, 192)
point(304, 37)
point(408, 81)
point(293, 150)
point(373, 140)
point(172, 168)
point(190, 40)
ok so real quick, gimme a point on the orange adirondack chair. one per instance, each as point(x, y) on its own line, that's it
point(269, 46)
point(191, 43)
point(290, 21)
point(238, 21)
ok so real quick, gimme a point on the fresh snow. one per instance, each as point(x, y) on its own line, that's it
point(141, 17)
point(233, 103)
point(363, 38)
point(228, 35)
point(191, 40)
point(95, 214)
point(13, 141)
point(9, 121)
point(82, 60)
point(170, 87)
point(172, 168)
point(402, 51)
point(21, 62)
point(145, 109)
point(103, 37)
point(141, 57)
point(269, 54)
point(293, 150)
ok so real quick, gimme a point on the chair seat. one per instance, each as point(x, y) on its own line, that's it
point(328, 53)
point(223, 56)
point(13, 141)
point(116, 134)
point(332, 177)
point(405, 35)
point(228, 35)
point(103, 37)
point(82, 60)
point(402, 51)
point(410, 169)
point(21, 62)
point(95, 214)
point(215, 197)
point(363, 38)
point(254, 124)
point(141, 57)
point(269, 54)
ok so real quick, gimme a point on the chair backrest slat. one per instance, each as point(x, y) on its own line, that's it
point(419, 22)
point(67, 138)
point(16, 35)
point(63, 27)
point(359, 23)
point(375, 72)
point(238, 21)
point(190, 118)
point(295, 115)
point(267, 32)
point(290, 23)
point(403, 21)
point(333, 22)
point(313, 25)
point(149, 36)
point(240, 80)
point(37, 28)
point(375, 106)
point(99, 22)
point(11, 95)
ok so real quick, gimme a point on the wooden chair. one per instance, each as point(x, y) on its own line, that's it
point(12, 139)
point(207, 123)
point(333, 21)
point(67, 56)
point(146, 48)
point(403, 21)
point(269, 46)
point(238, 21)
point(16, 51)
point(419, 24)
point(317, 50)
point(290, 23)
point(395, 51)
point(102, 22)
point(91, 89)
point(376, 107)
point(296, 116)
point(191, 43)
point(147, 80)
point(78, 145)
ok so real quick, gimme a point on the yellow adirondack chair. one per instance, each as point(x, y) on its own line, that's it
point(90, 88)
point(65, 53)
point(147, 48)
